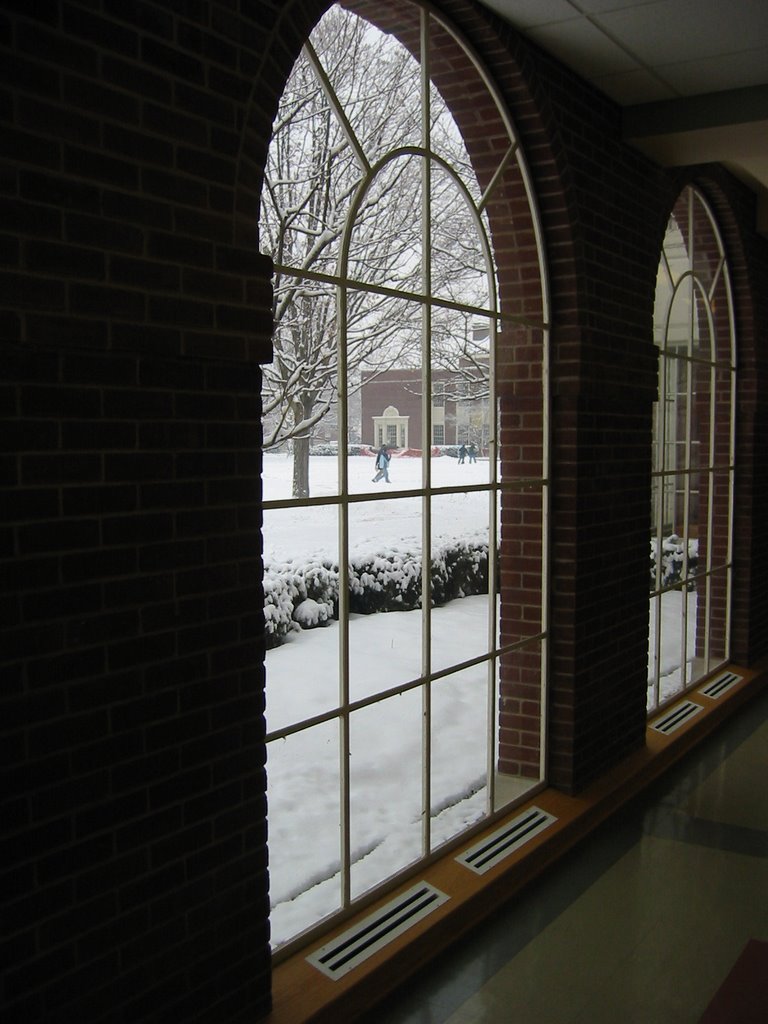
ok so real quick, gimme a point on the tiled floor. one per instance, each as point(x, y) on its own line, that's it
point(641, 923)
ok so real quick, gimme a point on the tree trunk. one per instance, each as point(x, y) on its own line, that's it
point(301, 467)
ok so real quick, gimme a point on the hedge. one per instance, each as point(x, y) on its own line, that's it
point(672, 559)
point(306, 596)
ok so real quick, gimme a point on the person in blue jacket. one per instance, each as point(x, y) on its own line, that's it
point(382, 464)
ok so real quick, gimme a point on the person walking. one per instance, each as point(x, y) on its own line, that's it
point(382, 465)
point(462, 454)
point(472, 452)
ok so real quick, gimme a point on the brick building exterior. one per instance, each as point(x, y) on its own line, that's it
point(391, 410)
point(135, 312)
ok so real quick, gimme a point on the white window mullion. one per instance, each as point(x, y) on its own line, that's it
point(712, 480)
point(661, 501)
point(731, 454)
point(687, 499)
point(425, 440)
point(494, 512)
point(545, 572)
point(337, 106)
point(344, 721)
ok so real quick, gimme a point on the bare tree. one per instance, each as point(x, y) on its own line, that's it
point(353, 97)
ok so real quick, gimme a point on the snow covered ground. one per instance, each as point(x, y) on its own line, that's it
point(300, 532)
point(386, 741)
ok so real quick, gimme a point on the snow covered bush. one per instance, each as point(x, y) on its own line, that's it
point(281, 594)
point(672, 558)
point(386, 582)
point(333, 449)
point(307, 596)
point(319, 582)
point(392, 581)
point(446, 449)
point(311, 613)
point(298, 598)
point(460, 570)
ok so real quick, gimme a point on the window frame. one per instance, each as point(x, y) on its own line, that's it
point(497, 320)
point(678, 359)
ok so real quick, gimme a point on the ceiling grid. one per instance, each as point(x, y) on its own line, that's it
point(690, 75)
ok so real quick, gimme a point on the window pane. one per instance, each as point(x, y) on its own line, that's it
point(662, 299)
point(654, 638)
point(706, 250)
point(700, 659)
point(375, 79)
point(385, 594)
point(457, 254)
point(303, 785)
point(520, 386)
point(385, 367)
point(519, 709)
point(300, 392)
point(460, 536)
point(459, 752)
point(514, 240)
point(717, 618)
point(447, 142)
point(680, 324)
point(676, 448)
point(721, 407)
point(386, 788)
point(702, 407)
point(520, 564)
point(703, 341)
point(720, 538)
point(301, 604)
point(460, 344)
point(676, 635)
point(675, 244)
point(721, 309)
point(494, 165)
point(385, 246)
point(300, 224)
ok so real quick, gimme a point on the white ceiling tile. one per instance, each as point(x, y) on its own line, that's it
point(524, 14)
point(631, 87)
point(716, 74)
point(671, 31)
point(584, 47)
point(598, 6)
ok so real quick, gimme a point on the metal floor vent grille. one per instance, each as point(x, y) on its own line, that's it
point(717, 687)
point(676, 717)
point(348, 950)
point(495, 847)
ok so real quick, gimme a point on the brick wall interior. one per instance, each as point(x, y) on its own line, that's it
point(134, 313)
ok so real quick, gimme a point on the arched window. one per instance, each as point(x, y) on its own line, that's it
point(693, 454)
point(404, 579)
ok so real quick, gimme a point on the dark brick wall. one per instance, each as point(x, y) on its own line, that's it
point(604, 210)
point(131, 327)
point(134, 310)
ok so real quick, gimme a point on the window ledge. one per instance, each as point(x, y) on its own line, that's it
point(301, 993)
